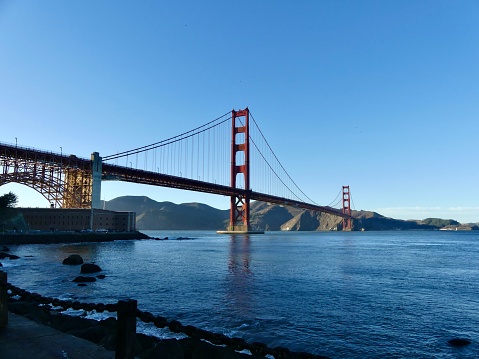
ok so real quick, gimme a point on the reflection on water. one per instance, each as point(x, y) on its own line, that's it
point(240, 276)
point(239, 257)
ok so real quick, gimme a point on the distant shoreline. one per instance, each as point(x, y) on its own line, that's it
point(62, 237)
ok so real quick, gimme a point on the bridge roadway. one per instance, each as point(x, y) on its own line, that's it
point(126, 174)
point(10, 153)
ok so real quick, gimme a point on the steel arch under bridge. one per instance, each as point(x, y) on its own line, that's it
point(65, 181)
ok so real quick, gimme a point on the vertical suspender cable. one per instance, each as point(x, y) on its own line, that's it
point(198, 163)
point(203, 174)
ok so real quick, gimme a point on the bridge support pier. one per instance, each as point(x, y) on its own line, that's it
point(96, 180)
point(347, 222)
point(239, 203)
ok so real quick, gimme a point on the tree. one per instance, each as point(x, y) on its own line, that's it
point(8, 200)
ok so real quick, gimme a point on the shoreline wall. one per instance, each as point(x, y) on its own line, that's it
point(50, 238)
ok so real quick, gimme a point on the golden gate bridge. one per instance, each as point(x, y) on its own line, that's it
point(218, 157)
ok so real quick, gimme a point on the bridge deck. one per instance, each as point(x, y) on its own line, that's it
point(127, 174)
point(113, 172)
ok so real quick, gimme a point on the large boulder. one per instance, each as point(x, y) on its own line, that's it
point(459, 342)
point(90, 268)
point(82, 279)
point(73, 259)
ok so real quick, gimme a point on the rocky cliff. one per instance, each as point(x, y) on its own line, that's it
point(264, 216)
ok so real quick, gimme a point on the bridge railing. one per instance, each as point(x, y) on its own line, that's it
point(127, 313)
point(12, 146)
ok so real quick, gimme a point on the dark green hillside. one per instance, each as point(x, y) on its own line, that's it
point(138, 204)
point(439, 223)
point(151, 214)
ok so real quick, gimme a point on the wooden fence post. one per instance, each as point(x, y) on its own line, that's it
point(126, 329)
point(3, 300)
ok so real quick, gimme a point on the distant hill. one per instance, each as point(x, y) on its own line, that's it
point(437, 222)
point(151, 214)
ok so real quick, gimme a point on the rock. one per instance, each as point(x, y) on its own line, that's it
point(190, 348)
point(144, 344)
point(82, 279)
point(109, 322)
point(9, 256)
point(104, 334)
point(90, 268)
point(101, 276)
point(94, 334)
point(81, 285)
point(73, 259)
point(459, 342)
point(165, 348)
point(31, 311)
point(1, 265)
point(66, 323)
point(5, 249)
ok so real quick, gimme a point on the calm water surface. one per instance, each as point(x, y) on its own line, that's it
point(345, 295)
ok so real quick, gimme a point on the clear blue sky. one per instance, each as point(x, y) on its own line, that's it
point(379, 95)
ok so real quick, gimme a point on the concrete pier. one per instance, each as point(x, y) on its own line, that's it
point(238, 232)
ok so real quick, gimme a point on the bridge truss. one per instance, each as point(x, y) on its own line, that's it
point(65, 181)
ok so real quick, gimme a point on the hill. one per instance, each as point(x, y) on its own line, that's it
point(267, 217)
point(151, 214)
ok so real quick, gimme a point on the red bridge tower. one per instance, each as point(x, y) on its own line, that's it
point(239, 203)
point(347, 222)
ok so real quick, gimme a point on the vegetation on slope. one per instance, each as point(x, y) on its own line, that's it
point(264, 216)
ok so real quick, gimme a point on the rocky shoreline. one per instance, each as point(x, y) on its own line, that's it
point(68, 237)
point(103, 333)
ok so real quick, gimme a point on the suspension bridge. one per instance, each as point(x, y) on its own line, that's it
point(217, 157)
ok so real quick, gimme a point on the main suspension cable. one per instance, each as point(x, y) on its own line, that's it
point(335, 200)
point(286, 172)
point(168, 140)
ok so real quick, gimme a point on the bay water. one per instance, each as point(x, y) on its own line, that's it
point(397, 294)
